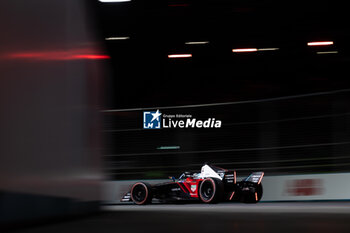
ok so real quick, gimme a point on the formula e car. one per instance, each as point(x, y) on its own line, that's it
point(211, 185)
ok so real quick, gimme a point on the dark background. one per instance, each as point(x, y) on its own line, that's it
point(145, 77)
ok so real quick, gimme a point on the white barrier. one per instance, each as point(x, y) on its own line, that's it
point(335, 186)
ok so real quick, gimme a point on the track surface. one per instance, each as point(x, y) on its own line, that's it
point(286, 207)
point(320, 217)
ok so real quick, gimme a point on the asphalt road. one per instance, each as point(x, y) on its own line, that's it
point(318, 217)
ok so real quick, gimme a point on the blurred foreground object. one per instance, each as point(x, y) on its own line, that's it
point(51, 70)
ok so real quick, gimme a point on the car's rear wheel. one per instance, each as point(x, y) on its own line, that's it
point(211, 190)
point(254, 195)
point(141, 193)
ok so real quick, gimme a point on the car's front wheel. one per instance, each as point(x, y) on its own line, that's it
point(141, 193)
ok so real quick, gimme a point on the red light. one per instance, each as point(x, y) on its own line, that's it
point(59, 55)
point(245, 50)
point(320, 43)
point(90, 56)
point(179, 55)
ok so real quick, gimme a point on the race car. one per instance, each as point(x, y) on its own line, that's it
point(213, 184)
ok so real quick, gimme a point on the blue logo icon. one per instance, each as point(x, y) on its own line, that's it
point(151, 120)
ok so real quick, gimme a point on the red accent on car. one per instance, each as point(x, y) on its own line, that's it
point(183, 189)
point(192, 185)
point(233, 193)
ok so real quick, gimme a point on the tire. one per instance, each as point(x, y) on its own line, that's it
point(141, 193)
point(211, 190)
point(259, 191)
point(254, 197)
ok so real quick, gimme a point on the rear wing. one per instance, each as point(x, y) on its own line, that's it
point(255, 177)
